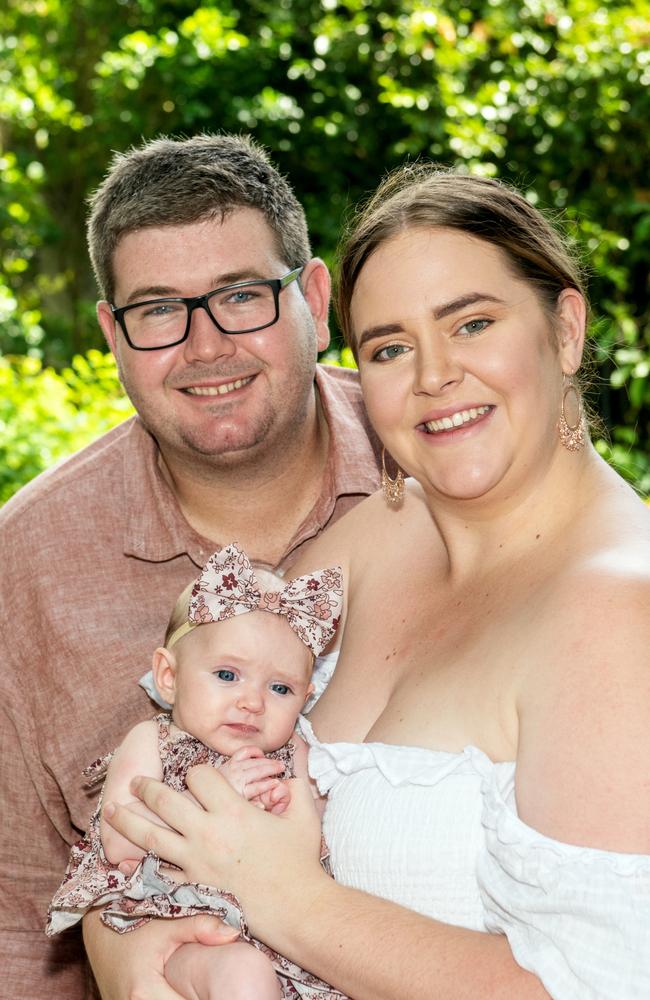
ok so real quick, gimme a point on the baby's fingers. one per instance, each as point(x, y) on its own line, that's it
point(247, 753)
point(255, 789)
point(256, 769)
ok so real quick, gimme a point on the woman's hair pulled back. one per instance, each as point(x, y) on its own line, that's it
point(423, 195)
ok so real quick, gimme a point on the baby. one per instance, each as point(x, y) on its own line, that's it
point(236, 668)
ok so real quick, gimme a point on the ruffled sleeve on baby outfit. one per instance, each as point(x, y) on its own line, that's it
point(578, 918)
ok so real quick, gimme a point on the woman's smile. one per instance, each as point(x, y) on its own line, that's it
point(448, 423)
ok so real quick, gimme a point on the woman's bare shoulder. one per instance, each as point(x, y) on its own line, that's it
point(365, 531)
point(598, 584)
point(613, 543)
point(585, 700)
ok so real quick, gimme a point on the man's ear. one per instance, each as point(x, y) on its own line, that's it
point(316, 287)
point(571, 328)
point(163, 668)
point(107, 323)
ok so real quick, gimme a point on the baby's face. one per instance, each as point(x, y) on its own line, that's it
point(241, 682)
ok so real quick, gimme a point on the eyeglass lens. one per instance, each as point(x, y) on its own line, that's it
point(162, 322)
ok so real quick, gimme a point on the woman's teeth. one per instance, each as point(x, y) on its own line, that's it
point(457, 420)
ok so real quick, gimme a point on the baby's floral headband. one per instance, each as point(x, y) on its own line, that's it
point(227, 586)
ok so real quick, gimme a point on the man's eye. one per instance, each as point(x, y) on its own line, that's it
point(281, 689)
point(225, 675)
point(240, 297)
point(389, 352)
point(162, 309)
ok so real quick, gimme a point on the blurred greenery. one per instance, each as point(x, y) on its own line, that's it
point(550, 95)
point(46, 415)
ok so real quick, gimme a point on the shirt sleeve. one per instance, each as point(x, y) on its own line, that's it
point(578, 918)
point(32, 857)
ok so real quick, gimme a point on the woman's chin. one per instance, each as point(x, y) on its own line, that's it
point(474, 484)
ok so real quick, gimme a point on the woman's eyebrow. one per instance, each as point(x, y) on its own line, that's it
point(440, 312)
point(383, 330)
point(462, 301)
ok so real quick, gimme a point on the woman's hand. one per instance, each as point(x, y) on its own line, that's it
point(131, 966)
point(230, 843)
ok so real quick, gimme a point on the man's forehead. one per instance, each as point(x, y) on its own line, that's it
point(206, 253)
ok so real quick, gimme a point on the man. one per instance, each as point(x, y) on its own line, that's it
point(215, 310)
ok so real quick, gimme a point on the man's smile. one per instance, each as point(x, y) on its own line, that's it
point(218, 390)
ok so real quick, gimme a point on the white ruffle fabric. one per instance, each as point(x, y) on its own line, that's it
point(438, 832)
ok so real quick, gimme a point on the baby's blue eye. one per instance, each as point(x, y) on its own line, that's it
point(225, 675)
point(281, 688)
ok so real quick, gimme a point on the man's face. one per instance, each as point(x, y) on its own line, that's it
point(222, 398)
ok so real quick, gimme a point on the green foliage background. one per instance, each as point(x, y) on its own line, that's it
point(550, 95)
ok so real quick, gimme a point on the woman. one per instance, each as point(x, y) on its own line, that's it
point(490, 706)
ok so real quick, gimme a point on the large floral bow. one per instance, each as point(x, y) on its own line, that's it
point(227, 587)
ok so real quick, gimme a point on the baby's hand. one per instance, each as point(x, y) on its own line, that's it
point(251, 774)
point(276, 798)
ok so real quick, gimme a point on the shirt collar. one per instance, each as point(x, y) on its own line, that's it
point(155, 528)
point(353, 445)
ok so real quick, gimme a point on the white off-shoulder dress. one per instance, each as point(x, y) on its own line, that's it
point(439, 833)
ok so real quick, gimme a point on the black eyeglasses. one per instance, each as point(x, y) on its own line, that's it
point(241, 308)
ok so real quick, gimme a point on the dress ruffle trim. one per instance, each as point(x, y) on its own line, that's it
point(399, 765)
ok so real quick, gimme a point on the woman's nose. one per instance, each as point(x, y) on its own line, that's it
point(437, 368)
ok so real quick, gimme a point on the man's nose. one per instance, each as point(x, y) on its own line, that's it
point(205, 341)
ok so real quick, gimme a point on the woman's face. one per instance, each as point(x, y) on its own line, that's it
point(460, 366)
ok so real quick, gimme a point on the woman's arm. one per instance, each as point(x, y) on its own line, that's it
point(368, 948)
point(131, 966)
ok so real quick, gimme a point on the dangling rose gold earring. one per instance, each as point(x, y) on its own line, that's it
point(393, 489)
point(572, 436)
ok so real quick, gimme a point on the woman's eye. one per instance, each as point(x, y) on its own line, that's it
point(225, 675)
point(474, 326)
point(389, 352)
point(281, 689)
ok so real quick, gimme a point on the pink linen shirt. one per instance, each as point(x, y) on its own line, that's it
point(94, 554)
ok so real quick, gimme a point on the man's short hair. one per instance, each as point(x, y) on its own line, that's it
point(173, 182)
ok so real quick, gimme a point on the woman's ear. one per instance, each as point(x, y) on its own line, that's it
point(163, 668)
point(571, 328)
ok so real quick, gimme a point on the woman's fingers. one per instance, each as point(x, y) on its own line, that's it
point(140, 830)
point(209, 788)
point(205, 929)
